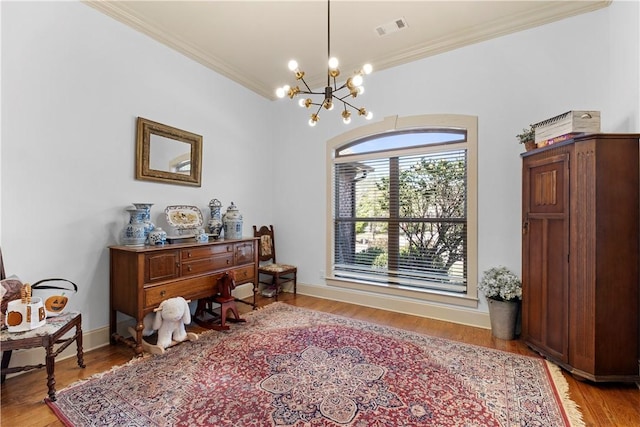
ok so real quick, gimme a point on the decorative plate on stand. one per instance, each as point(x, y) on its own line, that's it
point(185, 219)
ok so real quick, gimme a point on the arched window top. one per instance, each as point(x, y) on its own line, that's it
point(402, 139)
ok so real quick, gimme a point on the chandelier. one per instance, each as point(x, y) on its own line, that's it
point(332, 93)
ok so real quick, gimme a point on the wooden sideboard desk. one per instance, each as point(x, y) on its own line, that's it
point(141, 277)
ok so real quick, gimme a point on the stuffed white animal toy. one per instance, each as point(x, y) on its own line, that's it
point(169, 320)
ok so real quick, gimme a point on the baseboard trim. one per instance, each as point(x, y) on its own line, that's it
point(243, 291)
point(457, 315)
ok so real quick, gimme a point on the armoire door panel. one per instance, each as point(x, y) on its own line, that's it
point(545, 287)
point(556, 289)
point(545, 254)
point(548, 187)
point(532, 278)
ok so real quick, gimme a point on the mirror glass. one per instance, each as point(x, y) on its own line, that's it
point(167, 154)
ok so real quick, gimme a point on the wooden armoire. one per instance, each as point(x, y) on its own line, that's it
point(580, 255)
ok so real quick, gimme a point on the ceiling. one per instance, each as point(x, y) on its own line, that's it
point(251, 42)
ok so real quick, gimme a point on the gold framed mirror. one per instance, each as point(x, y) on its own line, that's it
point(167, 154)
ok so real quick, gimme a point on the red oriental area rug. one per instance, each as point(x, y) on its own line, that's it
point(289, 366)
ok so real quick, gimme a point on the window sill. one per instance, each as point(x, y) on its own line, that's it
point(441, 297)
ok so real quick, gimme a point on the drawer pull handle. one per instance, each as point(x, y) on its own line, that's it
point(163, 293)
point(189, 268)
point(228, 262)
point(189, 254)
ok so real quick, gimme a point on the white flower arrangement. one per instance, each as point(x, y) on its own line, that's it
point(499, 283)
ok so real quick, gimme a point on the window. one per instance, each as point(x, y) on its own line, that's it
point(403, 209)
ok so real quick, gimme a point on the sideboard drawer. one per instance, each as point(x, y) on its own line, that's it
point(205, 251)
point(244, 274)
point(188, 289)
point(205, 265)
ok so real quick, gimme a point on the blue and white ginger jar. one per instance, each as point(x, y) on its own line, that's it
point(134, 233)
point(232, 220)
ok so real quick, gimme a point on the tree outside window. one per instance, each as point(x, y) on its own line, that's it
point(402, 219)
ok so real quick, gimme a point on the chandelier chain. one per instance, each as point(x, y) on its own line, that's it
point(329, 42)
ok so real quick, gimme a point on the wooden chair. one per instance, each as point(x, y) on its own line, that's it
point(2, 273)
point(46, 336)
point(277, 273)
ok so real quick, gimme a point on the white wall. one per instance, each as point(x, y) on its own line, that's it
point(73, 83)
point(585, 62)
point(74, 80)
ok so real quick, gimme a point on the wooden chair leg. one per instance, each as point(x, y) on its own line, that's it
point(50, 361)
point(276, 282)
point(6, 358)
point(79, 349)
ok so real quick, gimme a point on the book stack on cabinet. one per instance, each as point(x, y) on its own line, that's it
point(566, 126)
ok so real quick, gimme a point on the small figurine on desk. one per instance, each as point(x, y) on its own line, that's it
point(201, 236)
point(158, 236)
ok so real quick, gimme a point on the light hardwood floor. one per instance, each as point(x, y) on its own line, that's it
point(602, 404)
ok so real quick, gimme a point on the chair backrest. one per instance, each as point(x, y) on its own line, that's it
point(2, 273)
point(266, 245)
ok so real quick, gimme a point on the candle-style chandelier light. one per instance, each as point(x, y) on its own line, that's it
point(332, 92)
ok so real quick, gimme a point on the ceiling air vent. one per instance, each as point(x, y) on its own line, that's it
point(391, 27)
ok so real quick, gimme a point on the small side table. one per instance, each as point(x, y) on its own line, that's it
point(44, 336)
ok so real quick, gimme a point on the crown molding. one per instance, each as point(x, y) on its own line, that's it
point(545, 13)
point(120, 12)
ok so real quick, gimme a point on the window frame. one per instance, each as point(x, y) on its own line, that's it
point(397, 124)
